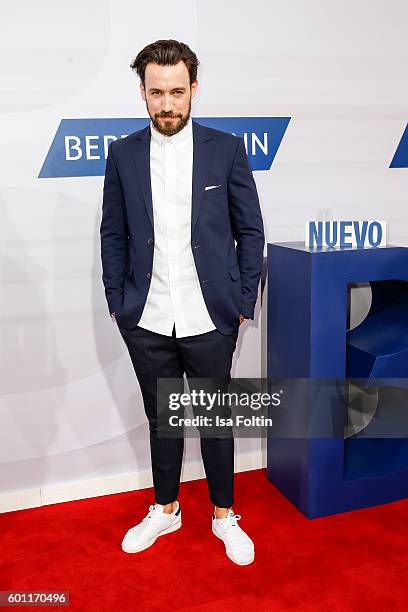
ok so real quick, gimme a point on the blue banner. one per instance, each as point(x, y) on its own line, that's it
point(80, 146)
point(400, 159)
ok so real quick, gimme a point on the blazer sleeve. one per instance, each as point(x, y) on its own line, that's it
point(247, 227)
point(113, 232)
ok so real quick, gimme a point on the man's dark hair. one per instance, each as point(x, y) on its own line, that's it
point(166, 53)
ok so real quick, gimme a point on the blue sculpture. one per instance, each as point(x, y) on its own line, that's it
point(309, 347)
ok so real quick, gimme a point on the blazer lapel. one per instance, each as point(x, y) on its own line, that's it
point(203, 147)
point(141, 156)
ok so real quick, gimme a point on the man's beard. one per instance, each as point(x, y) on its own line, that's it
point(169, 128)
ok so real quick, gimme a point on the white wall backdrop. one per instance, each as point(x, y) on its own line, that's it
point(70, 406)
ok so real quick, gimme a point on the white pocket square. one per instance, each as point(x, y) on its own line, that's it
point(211, 187)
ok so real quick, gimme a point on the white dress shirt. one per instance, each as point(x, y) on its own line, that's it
point(175, 296)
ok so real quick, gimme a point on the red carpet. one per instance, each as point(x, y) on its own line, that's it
point(355, 561)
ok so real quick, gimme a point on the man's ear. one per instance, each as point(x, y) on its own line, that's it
point(194, 86)
point(142, 91)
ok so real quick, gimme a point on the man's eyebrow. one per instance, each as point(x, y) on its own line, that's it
point(174, 89)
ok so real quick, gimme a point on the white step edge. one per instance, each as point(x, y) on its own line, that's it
point(118, 483)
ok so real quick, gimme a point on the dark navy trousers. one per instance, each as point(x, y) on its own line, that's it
point(204, 356)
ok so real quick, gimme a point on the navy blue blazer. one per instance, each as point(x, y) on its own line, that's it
point(229, 274)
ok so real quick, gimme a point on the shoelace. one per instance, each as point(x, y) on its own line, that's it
point(146, 521)
point(151, 512)
point(234, 535)
point(234, 518)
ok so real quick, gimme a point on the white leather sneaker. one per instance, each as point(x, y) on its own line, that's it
point(156, 523)
point(238, 545)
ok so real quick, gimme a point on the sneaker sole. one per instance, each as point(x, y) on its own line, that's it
point(152, 541)
point(229, 556)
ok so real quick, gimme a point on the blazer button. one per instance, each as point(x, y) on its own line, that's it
point(150, 241)
point(148, 275)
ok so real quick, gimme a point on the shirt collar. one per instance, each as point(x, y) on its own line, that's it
point(184, 134)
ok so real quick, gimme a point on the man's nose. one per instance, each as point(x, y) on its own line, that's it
point(167, 103)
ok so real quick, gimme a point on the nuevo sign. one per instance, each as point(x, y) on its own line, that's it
point(345, 234)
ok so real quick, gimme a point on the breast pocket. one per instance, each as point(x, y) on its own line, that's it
point(216, 191)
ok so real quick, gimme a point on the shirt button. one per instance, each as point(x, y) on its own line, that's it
point(148, 275)
point(150, 241)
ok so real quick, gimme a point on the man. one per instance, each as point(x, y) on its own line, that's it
point(176, 197)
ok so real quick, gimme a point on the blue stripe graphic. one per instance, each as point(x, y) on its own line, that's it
point(79, 147)
point(400, 159)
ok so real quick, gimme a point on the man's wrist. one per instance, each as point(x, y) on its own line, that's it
point(113, 317)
